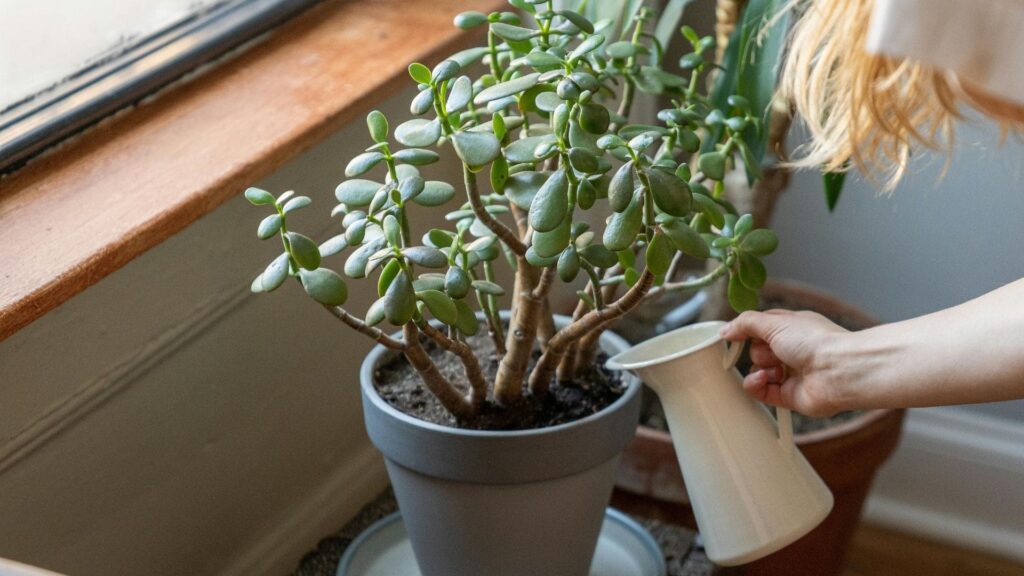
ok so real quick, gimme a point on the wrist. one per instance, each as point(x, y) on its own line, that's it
point(836, 362)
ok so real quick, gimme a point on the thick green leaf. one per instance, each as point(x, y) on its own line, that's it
point(410, 188)
point(457, 282)
point(587, 46)
point(324, 286)
point(426, 256)
point(459, 95)
point(586, 194)
point(259, 197)
point(416, 156)
point(760, 242)
point(446, 70)
point(712, 164)
point(392, 231)
point(522, 187)
point(387, 275)
point(469, 55)
point(578, 20)
point(375, 315)
point(269, 226)
point(489, 288)
point(521, 151)
point(671, 194)
point(419, 73)
point(378, 126)
point(621, 187)
point(499, 174)
point(624, 226)
point(476, 148)
point(470, 19)
point(333, 245)
point(273, 275)
point(509, 88)
point(551, 243)
point(568, 264)
point(752, 271)
point(599, 256)
point(356, 192)
point(429, 281)
point(363, 163)
point(304, 250)
point(622, 50)
point(583, 160)
point(422, 102)
point(741, 298)
point(440, 305)
point(418, 132)
point(685, 238)
point(467, 322)
point(399, 300)
point(594, 118)
point(514, 33)
point(659, 254)
point(296, 203)
point(551, 204)
point(355, 264)
point(435, 193)
point(543, 60)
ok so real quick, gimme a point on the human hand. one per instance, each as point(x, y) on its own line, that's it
point(791, 367)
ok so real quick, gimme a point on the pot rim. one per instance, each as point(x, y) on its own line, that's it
point(471, 455)
point(380, 354)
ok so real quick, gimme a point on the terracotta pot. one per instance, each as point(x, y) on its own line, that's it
point(846, 456)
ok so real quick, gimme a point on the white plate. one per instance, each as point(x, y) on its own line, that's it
point(623, 549)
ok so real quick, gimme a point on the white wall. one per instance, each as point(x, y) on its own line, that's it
point(931, 244)
point(165, 421)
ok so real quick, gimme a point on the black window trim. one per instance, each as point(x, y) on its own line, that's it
point(36, 123)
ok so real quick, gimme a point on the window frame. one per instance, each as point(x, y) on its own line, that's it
point(42, 120)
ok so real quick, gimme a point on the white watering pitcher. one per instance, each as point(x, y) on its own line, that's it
point(752, 490)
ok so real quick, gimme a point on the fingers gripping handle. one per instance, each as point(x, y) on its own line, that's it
point(783, 418)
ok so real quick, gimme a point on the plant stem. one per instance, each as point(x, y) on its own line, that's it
point(440, 387)
point(470, 363)
point(361, 327)
point(540, 379)
point(500, 230)
point(696, 282)
point(508, 382)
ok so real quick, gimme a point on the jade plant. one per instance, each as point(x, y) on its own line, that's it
point(539, 120)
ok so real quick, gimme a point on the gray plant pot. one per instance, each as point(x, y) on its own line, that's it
point(517, 503)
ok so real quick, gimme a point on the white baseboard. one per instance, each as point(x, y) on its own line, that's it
point(958, 477)
point(339, 498)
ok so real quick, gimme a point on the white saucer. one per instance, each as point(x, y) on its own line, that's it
point(624, 549)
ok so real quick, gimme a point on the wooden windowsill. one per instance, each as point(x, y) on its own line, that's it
point(84, 210)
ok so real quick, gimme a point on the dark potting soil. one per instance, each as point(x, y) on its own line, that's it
point(652, 414)
point(400, 385)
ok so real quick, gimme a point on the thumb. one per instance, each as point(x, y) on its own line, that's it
point(752, 325)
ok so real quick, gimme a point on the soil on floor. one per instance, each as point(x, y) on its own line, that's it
point(400, 385)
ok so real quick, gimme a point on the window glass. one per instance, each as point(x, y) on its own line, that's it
point(45, 41)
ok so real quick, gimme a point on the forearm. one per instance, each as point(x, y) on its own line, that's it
point(970, 353)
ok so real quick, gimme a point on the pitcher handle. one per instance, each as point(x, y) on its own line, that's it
point(783, 418)
point(732, 354)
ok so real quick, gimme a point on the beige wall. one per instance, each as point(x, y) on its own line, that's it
point(165, 421)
